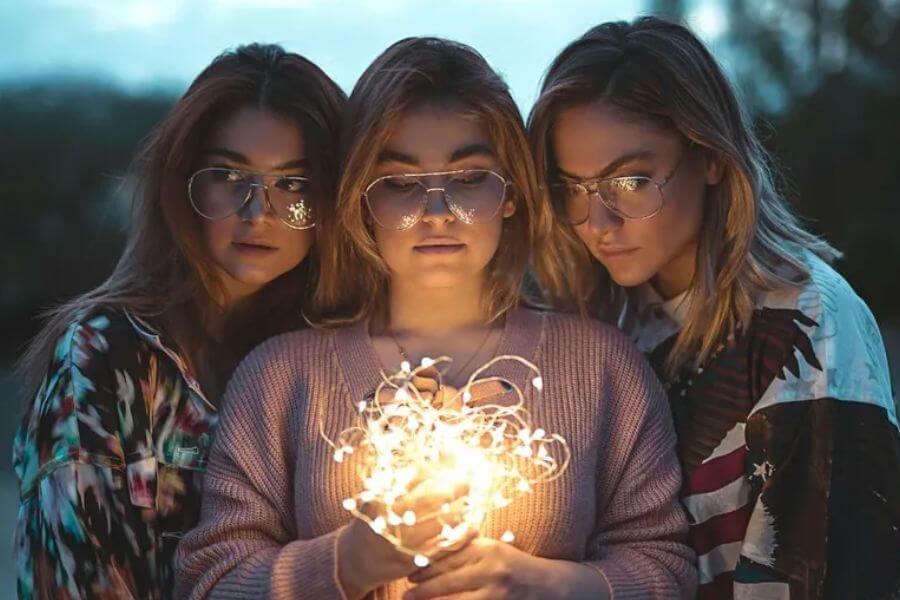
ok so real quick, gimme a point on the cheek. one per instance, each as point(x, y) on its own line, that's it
point(391, 246)
point(487, 239)
point(296, 245)
point(217, 236)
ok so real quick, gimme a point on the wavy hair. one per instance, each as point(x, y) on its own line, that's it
point(409, 73)
point(750, 240)
point(165, 274)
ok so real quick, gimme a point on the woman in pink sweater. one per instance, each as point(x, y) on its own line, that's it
point(437, 212)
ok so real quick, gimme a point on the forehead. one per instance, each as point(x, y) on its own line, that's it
point(598, 133)
point(265, 138)
point(431, 133)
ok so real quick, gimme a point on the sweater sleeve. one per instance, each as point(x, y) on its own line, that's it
point(638, 543)
point(245, 545)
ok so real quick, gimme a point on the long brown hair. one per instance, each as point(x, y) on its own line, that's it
point(411, 72)
point(750, 240)
point(165, 274)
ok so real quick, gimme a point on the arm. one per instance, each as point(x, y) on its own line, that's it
point(78, 534)
point(639, 540)
point(824, 454)
point(245, 544)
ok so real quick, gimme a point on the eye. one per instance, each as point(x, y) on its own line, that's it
point(470, 177)
point(399, 183)
point(227, 175)
point(628, 184)
point(293, 185)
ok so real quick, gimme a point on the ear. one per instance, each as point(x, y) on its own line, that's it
point(509, 205)
point(714, 167)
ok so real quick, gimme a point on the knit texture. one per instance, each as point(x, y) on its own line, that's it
point(272, 494)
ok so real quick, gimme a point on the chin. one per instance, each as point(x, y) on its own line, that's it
point(254, 278)
point(440, 278)
point(629, 277)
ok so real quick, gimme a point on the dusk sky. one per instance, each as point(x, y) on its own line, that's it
point(165, 43)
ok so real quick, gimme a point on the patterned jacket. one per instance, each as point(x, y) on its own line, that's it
point(789, 444)
point(109, 458)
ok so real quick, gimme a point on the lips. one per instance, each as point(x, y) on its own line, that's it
point(613, 252)
point(442, 245)
point(254, 246)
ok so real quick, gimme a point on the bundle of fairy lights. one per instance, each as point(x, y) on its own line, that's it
point(405, 439)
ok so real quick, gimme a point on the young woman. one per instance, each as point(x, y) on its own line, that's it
point(126, 379)
point(775, 369)
point(438, 206)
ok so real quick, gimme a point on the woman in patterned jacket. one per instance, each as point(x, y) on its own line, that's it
point(124, 380)
point(670, 224)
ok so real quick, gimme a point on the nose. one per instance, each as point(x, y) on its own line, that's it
point(600, 218)
point(436, 208)
point(256, 207)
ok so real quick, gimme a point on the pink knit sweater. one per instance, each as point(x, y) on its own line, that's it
point(272, 498)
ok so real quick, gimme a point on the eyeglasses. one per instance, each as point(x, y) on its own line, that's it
point(472, 196)
point(217, 193)
point(631, 197)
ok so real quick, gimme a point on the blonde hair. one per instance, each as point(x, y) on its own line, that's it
point(414, 71)
point(750, 241)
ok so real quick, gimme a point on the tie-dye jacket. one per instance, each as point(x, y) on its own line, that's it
point(109, 457)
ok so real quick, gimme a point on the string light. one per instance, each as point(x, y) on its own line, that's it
point(403, 441)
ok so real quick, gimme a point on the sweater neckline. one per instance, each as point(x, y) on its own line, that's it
point(522, 334)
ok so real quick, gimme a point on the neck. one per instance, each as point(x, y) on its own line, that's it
point(675, 277)
point(435, 311)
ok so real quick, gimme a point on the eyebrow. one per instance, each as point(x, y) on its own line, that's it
point(296, 163)
point(613, 166)
point(476, 149)
point(397, 157)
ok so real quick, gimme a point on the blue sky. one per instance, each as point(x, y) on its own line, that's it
point(165, 43)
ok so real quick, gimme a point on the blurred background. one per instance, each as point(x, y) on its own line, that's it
point(83, 81)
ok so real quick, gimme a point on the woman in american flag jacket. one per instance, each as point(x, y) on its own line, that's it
point(669, 223)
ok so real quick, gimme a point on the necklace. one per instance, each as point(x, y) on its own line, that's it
point(458, 371)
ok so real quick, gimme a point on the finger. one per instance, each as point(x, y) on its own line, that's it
point(429, 497)
point(422, 533)
point(468, 578)
point(449, 561)
point(484, 391)
point(448, 397)
point(437, 549)
point(482, 594)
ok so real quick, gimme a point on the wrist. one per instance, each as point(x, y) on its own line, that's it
point(352, 577)
point(573, 580)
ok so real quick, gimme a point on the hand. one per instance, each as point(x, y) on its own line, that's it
point(426, 382)
point(488, 568)
point(366, 560)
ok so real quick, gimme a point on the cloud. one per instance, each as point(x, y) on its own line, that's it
point(125, 14)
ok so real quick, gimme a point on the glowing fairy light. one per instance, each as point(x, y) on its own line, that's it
point(402, 440)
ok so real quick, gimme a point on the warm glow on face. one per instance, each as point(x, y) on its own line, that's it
point(491, 451)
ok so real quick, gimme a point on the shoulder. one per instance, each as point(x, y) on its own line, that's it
point(287, 353)
point(838, 346)
point(273, 375)
point(91, 335)
point(586, 338)
point(824, 297)
point(586, 349)
point(74, 414)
